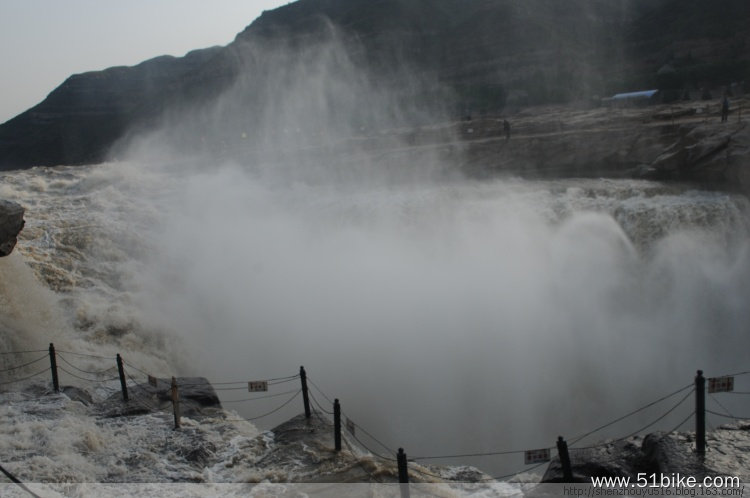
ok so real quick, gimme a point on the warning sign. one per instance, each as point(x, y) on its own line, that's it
point(257, 386)
point(536, 456)
point(720, 384)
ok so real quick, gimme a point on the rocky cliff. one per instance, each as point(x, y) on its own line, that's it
point(481, 54)
point(81, 119)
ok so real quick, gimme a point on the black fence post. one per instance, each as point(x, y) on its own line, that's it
point(562, 451)
point(305, 396)
point(337, 423)
point(700, 414)
point(403, 473)
point(176, 403)
point(53, 367)
point(121, 372)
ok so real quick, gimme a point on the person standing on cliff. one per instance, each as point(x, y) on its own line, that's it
point(725, 109)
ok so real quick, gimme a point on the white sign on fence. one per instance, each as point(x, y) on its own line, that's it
point(536, 456)
point(258, 386)
point(350, 426)
point(152, 381)
point(720, 384)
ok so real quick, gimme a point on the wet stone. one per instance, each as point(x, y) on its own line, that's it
point(11, 224)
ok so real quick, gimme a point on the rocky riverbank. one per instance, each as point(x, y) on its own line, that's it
point(95, 436)
point(662, 453)
point(685, 141)
point(92, 435)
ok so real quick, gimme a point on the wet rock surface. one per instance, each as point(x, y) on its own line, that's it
point(97, 436)
point(11, 224)
point(662, 453)
point(307, 447)
point(196, 397)
point(618, 459)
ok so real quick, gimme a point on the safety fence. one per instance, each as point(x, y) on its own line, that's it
point(140, 387)
point(533, 459)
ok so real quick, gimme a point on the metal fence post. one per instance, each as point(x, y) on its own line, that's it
point(121, 372)
point(403, 473)
point(562, 451)
point(53, 367)
point(305, 396)
point(176, 403)
point(700, 414)
point(337, 423)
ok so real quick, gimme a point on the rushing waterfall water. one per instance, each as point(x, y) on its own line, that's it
point(448, 316)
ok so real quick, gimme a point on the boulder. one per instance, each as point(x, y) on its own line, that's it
point(197, 398)
point(305, 447)
point(616, 459)
point(11, 224)
point(712, 153)
point(661, 453)
point(673, 453)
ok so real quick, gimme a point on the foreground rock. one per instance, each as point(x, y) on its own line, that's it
point(91, 435)
point(11, 224)
point(197, 398)
point(661, 453)
point(306, 448)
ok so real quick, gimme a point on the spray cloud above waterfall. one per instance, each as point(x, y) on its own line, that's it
point(307, 230)
point(296, 220)
point(307, 108)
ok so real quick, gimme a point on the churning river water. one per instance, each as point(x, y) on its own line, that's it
point(449, 317)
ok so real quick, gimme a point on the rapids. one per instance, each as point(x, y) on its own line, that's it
point(448, 316)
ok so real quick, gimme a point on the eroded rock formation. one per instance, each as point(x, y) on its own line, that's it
point(11, 224)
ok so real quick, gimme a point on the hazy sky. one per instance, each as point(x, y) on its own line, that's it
point(42, 42)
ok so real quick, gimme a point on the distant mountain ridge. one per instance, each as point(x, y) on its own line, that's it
point(488, 53)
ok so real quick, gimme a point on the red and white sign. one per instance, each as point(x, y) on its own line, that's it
point(536, 456)
point(257, 386)
point(720, 384)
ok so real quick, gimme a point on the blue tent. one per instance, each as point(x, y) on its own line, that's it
point(644, 94)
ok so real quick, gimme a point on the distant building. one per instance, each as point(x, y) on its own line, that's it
point(632, 99)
